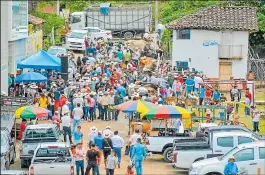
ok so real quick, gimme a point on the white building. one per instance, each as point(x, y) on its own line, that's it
point(214, 40)
point(14, 34)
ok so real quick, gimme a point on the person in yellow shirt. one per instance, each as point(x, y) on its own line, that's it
point(43, 101)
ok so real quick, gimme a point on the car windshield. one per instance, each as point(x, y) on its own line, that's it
point(55, 51)
point(39, 133)
point(52, 152)
point(77, 35)
point(228, 153)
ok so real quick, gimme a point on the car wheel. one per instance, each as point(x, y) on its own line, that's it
point(23, 164)
point(128, 35)
point(13, 158)
point(168, 154)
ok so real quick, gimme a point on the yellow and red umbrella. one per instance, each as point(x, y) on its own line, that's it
point(167, 111)
point(31, 112)
point(136, 106)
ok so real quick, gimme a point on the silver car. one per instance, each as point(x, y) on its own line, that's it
point(8, 152)
point(57, 50)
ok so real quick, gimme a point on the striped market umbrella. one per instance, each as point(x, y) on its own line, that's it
point(136, 106)
point(31, 112)
point(167, 111)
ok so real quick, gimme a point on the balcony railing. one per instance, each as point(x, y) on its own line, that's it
point(231, 51)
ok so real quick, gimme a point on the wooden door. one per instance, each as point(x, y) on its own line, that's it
point(225, 70)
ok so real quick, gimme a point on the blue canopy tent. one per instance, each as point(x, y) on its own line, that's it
point(41, 60)
point(30, 77)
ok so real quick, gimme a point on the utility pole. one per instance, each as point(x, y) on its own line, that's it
point(156, 22)
point(58, 7)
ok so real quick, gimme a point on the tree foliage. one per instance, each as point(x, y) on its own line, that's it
point(176, 9)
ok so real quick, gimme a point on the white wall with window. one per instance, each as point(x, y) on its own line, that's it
point(200, 48)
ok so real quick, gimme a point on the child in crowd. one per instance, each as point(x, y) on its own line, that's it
point(111, 163)
point(129, 170)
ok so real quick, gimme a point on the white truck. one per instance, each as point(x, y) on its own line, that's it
point(249, 158)
point(217, 144)
point(52, 158)
point(164, 144)
point(123, 21)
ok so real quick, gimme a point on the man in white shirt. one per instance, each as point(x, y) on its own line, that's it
point(78, 99)
point(133, 139)
point(118, 143)
point(65, 107)
point(111, 103)
point(77, 114)
point(142, 91)
point(66, 123)
point(197, 81)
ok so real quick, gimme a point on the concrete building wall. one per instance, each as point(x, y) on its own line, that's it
point(204, 56)
point(4, 46)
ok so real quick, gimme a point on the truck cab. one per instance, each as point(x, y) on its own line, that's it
point(249, 158)
point(77, 20)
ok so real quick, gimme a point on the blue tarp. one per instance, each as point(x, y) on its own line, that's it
point(41, 60)
point(104, 8)
point(30, 77)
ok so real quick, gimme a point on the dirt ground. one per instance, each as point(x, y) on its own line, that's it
point(153, 165)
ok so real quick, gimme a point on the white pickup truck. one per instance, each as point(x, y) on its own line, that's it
point(164, 144)
point(220, 143)
point(249, 158)
point(52, 158)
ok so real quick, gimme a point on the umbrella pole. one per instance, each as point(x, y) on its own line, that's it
point(15, 130)
point(129, 125)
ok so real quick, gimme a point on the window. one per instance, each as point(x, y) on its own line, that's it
point(183, 34)
point(93, 30)
point(242, 140)
point(52, 152)
point(244, 155)
point(262, 153)
point(225, 142)
point(75, 19)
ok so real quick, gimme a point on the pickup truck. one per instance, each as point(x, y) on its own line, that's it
point(216, 144)
point(52, 158)
point(164, 144)
point(35, 134)
point(249, 158)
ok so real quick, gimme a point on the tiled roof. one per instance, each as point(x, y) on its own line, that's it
point(218, 18)
point(35, 20)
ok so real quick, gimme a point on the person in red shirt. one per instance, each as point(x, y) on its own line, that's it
point(129, 170)
point(248, 95)
point(23, 126)
point(208, 95)
point(180, 79)
point(98, 159)
point(112, 80)
point(63, 100)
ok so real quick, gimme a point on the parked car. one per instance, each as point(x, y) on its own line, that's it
point(76, 40)
point(95, 32)
point(214, 145)
point(249, 158)
point(52, 158)
point(12, 172)
point(57, 50)
point(8, 150)
point(164, 144)
point(35, 134)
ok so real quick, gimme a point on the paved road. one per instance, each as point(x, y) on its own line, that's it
point(153, 165)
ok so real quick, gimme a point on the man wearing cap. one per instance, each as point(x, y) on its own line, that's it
point(231, 168)
point(65, 107)
point(66, 123)
point(79, 158)
point(98, 140)
point(77, 114)
point(104, 103)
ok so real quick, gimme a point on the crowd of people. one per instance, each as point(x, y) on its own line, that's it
point(106, 76)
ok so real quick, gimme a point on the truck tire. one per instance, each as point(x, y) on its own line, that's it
point(128, 35)
point(23, 164)
point(168, 154)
